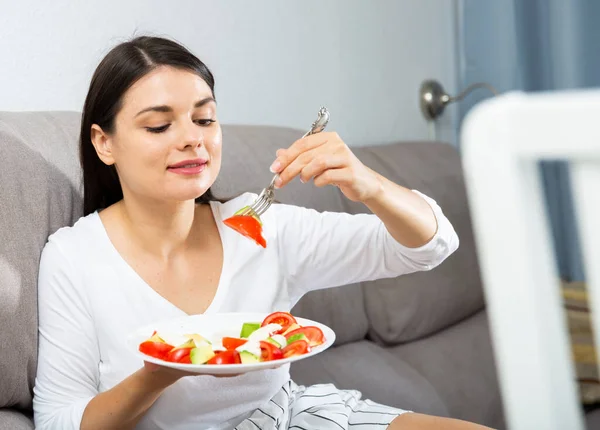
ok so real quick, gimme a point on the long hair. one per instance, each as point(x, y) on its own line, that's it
point(125, 64)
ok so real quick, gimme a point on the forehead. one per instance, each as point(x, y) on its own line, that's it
point(166, 86)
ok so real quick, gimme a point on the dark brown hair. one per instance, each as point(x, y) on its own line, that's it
point(117, 72)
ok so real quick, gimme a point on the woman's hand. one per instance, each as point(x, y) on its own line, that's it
point(325, 158)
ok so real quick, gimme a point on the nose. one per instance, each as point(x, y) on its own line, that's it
point(193, 136)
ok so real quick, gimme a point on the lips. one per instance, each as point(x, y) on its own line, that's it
point(188, 164)
point(188, 167)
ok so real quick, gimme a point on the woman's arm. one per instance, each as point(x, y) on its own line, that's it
point(66, 387)
point(407, 233)
point(125, 404)
point(406, 215)
point(326, 159)
point(328, 249)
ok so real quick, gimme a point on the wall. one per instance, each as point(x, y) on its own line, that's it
point(275, 62)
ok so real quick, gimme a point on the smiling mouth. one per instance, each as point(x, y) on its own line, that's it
point(188, 166)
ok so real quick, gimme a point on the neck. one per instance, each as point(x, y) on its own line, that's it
point(161, 227)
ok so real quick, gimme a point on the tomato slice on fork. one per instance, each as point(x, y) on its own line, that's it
point(248, 226)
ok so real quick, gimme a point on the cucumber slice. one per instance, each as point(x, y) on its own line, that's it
point(248, 358)
point(274, 342)
point(248, 329)
point(298, 336)
point(201, 354)
point(278, 340)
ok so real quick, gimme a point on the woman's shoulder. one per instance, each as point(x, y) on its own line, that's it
point(82, 234)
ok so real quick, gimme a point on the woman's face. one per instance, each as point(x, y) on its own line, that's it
point(166, 143)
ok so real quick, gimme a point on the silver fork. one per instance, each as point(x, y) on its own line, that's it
point(266, 197)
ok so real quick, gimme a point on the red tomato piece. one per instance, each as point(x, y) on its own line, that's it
point(314, 334)
point(232, 342)
point(226, 357)
point(269, 352)
point(155, 349)
point(284, 319)
point(248, 226)
point(186, 359)
point(179, 355)
point(298, 347)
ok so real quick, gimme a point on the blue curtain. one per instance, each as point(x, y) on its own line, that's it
point(535, 45)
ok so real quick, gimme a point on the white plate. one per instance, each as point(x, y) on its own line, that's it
point(214, 327)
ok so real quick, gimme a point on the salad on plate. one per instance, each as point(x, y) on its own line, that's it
point(278, 336)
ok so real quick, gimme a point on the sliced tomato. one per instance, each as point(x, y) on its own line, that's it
point(248, 226)
point(232, 342)
point(186, 359)
point(284, 319)
point(155, 349)
point(179, 355)
point(314, 334)
point(226, 357)
point(269, 352)
point(298, 347)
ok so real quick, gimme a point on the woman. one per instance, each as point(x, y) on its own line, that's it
point(152, 246)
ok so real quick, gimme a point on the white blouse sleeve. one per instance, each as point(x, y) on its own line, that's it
point(68, 356)
point(322, 250)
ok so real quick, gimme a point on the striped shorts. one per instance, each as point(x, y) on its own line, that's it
point(321, 407)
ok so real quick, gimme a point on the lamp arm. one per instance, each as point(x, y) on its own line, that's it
point(470, 88)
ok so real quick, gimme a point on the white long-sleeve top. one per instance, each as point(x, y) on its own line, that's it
point(90, 300)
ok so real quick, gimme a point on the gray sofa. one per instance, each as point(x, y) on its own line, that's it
point(419, 342)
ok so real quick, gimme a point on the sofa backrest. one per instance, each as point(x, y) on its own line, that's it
point(39, 182)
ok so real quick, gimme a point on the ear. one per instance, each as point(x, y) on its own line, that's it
point(103, 144)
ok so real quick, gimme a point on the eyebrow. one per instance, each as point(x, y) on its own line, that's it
point(166, 108)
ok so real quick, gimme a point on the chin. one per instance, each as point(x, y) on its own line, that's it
point(188, 193)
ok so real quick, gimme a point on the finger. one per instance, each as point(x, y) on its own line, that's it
point(287, 156)
point(333, 177)
point(320, 163)
point(295, 167)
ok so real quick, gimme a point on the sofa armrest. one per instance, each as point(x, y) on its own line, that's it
point(11, 419)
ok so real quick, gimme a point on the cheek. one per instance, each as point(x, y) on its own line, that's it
point(139, 157)
point(214, 144)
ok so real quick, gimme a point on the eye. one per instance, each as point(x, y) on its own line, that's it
point(204, 122)
point(158, 129)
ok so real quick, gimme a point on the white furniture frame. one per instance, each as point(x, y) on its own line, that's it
point(503, 139)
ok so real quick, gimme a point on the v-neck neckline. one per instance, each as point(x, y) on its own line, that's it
point(222, 286)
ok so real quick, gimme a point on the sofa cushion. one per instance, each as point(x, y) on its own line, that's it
point(372, 370)
point(248, 151)
point(418, 304)
point(465, 378)
point(39, 180)
point(13, 420)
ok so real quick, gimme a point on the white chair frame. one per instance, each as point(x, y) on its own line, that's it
point(503, 139)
